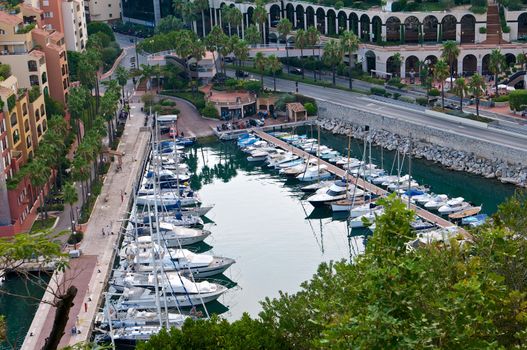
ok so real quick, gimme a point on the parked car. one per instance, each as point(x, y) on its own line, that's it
point(453, 106)
point(524, 113)
point(241, 74)
point(255, 122)
point(296, 71)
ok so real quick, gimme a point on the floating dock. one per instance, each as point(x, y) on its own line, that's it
point(424, 214)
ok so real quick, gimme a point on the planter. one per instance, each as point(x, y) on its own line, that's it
point(506, 36)
point(482, 37)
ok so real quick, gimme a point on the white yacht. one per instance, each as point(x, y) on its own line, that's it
point(314, 173)
point(453, 205)
point(436, 201)
point(358, 221)
point(336, 191)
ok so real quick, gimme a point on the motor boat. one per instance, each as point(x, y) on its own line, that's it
point(429, 237)
point(362, 209)
point(384, 179)
point(325, 195)
point(454, 205)
point(258, 156)
point(474, 221)
point(467, 212)
point(290, 163)
point(348, 203)
point(316, 186)
point(175, 236)
point(358, 221)
point(314, 173)
point(169, 199)
point(436, 201)
point(178, 292)
point(140, 256)
point(136, 318)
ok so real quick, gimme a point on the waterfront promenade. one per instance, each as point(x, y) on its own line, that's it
point(360, 182)
point(91, 272)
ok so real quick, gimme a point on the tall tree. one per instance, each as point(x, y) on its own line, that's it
point(274, 65)
point(313, 38)
point(450, 53)
point(350, 44)
point(333, 55)
point(260, 63)
point(168, 24)
point(259, 17)
point(461, 90)
point(147, 73)
point(441, 73)
point(252, 35)
point(197, 52)
point(202, 6)
point(397, 60)
point(477, 88)
point(122, 78)
point(236, 19)
point(241, 51)
point(284, 28)
point(213, 41)
point(521, 60)
point(496, 65)
point(38, 176)
point(301, 41)
point(70, 196)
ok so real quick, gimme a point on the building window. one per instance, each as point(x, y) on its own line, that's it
point(28, 141)
point(42, 110)
point(44, 78)
point(33, 80)
point(2, 127)
point(13, 119)
point(32, 66)
point(45, 3)
point(37, 114)
point(48, 14)
point(110, 15)
point(24, 109)
point(2, 32)
point(16, 137)
point(26, 126)
point(39, 130)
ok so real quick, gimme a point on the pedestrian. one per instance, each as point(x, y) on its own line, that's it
point(122, 196)
point(103, 233)
point(85, 307)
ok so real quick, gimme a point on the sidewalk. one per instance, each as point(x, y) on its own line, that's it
point(92, 271)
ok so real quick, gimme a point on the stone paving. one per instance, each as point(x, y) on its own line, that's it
point(93, 269)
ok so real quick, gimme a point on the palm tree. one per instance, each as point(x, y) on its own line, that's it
point(397, 60)
point(350, 44)
point(274, 65)
point(252, 35)
point(260, 63)
point(313, 36)
point(284, 28)
point(70, 196)
point(147, 72)
point(333, 55)
point(197, 51)
point(449, 53)
point(521, 60)
point(213, 40)
point(477, 88)
point(80, 171)
point(38, 177)
point(236, 19)
point(260, 16)
point(496, 65)
point(226, 17)
point(122, 77)
point(241, 51)
point(461, 90)
point(76, 106)
point(301, 42)
point(188, 12)
point(202, 6)
point(441, 72)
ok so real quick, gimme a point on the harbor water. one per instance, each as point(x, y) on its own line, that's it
point(262, 220)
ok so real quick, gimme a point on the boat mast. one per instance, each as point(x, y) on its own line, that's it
point(409, 169)
point(318, 152)
point(154, 268)
point(108, 317)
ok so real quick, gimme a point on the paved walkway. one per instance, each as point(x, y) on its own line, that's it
point(93, 269)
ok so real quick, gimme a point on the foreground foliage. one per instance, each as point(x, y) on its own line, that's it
point(452, 295)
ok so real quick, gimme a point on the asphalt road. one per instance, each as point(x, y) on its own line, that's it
point(364, 103)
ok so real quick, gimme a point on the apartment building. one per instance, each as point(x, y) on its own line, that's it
point(67, 17)
point(103, 10)
point(36, 56)
point(23, 123)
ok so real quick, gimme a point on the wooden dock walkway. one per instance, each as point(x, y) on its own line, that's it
point(424, 214)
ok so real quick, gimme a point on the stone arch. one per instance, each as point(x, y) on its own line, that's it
point(510, 59)
point(411, 63)
point(42, 110)
point(37, 114)
point(332, 19)
point(354, 23)
point(275, 15)
point(430, 61)
point(522, 24)
point(342, 20)
point(321, 15)
point(365, 27)
point(393, 29)
point(39, 130)
point(26, 125)
point(468, 29)
point(299, 17)
point(273, 37)
point(376, 24)
point(430, 24)
point(470, 64)
point(44, 125)
point(370, 61)
point(448, 27)
point(393, 67)
point(485, 65)
point(289, 13)
point(411, 29)
point(310, 16)
point(13, 119)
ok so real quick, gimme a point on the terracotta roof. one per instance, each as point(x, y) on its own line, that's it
point(37, 53)
point(35, 10)
point(9, 19)
point(296, 107)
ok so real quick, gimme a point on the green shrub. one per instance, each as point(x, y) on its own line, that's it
point(434, 92)
point(482, 30)
point(167, 103)
point(423, 101)
point(396, 81)
point(311, 108)
point(406, 99)
point(501, 98)
point(100, 27)
point(75, 238)
point(378, 91)
point(253, 86)
point(396, 95)
point(506, 29)
point(517, 99)
point(282, 101)
point(209, 111)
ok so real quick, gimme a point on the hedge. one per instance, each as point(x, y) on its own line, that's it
point(517, 98)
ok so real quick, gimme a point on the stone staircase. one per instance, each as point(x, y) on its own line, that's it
point(493, 26)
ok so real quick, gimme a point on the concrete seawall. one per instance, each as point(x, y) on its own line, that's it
point(426, 134)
